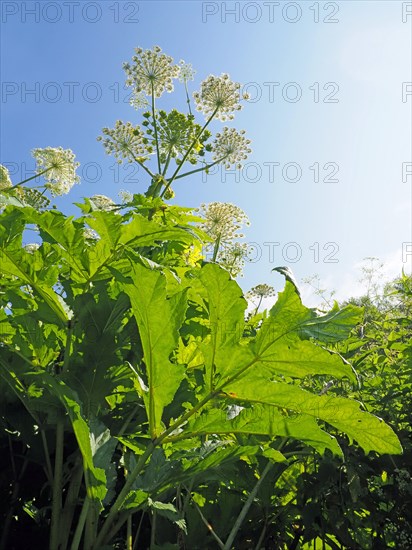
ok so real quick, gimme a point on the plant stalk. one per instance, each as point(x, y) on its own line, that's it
point(188, 152)
point(159, 166)
point(246, 506)
point(57, 487)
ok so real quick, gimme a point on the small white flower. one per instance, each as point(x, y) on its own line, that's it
point(218, 94)
point(60, 168)
point(231, 147)
point(5, 180)
point(151, 72)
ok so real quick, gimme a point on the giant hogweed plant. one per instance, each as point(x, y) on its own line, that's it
point(129, 373)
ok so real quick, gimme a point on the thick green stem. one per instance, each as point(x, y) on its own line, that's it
point(196, 139)
point(90, 531)
point(166, 166)
point(129, 537)
point(57, 486)
point(246, 506)
point(80, 525)
point(153, 531)
point(70, 504)
point(216, 248)
point(159, 166)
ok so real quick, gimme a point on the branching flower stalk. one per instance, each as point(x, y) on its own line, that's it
point(194, 142)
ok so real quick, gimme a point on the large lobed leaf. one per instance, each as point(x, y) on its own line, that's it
point(159, 318)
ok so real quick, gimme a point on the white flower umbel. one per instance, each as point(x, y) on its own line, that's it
point(232, 257)
point(58, 167)
point(125, 141)
point(223, 220)
point(231, 147)
point(5, 181)
point(261, 291)
point(102, 202)
point(151, 71)
point(219, 95)
point(186, 71)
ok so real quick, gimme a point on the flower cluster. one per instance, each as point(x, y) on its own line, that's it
point(5, 180)
point(261, 291)
point(101, 202)
point(223, 220)
point(126, 141)
point(176, 133)
point(151, 72)
point(231, 147)
point(58, 168)
point(232, 257)
point(219, 95)
point(186, 71)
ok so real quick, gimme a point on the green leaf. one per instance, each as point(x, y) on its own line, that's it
point(287, 273)
point(226, 307)
point(266, 420)
point(371, 433)
point(159, 318)
point(335, 326)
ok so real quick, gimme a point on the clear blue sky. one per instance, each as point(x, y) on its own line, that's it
point(326, 85)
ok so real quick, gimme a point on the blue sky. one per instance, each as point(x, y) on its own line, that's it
point(329, 116)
